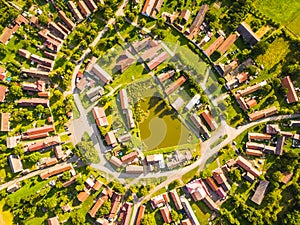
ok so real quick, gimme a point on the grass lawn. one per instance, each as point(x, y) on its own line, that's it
point(281, 11)
point(6, 218)
point(189, 175)
point(64, 138)
point(294, 27)
point(201, 211)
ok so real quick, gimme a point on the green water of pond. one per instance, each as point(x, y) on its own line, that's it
point(161, 127)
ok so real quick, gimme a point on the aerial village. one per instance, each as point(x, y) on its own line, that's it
point(147, 112)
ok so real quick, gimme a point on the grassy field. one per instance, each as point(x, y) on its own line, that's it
point(294, 27)
point(189, 175)
point(201, 211)
point(281, 11)
point(6, 218)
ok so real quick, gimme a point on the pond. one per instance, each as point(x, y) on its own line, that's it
point(160, 127)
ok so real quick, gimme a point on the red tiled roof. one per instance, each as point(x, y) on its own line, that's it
point(140, 215)
point(227, 43)
point(82, 196)
point(291, 94)
point(3, 90)
point(165, 212)
point(214, 46)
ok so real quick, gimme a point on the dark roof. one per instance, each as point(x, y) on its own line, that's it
point(248, 35)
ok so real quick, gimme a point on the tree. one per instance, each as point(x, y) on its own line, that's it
point(148, 219)
point(105, 209)
point(16, 91)
point(78, 218)
point(43, 19)
point(34, 157)
point(66, 175)
point(175, 216)
point(292, 218)
point(277, 176)
point(39, 109)
point(260, 48)
point(142, 22)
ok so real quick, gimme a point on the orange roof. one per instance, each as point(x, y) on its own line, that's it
point(259, 136)
point(39, 130)
point(99, 116)
point(97, 206)
point(51, 161)
point(83, 8)
point(110, 138)
point(97, 185)
point(58, 152)
point(211, 183)
point(6, 35)
point(214, 46)
point(21, 19)
point(176, 199)
point(129, 157)
point(4, 121)
point(254, 152)
point(251, 103)
point(165, 212)
point(228, 42)
point(124, 99)
point(209, 120)
point(3, 90)
point(172, 87)
point(56, 170)
point(140, 215)
point(186, 222)
point(82, 196)
point(291, 94)
point(286, 177)
point(242, 77)
point(116, 161)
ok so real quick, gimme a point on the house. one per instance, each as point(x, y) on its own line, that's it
point(291, 93)
point(110, 139)
point(24, 53)
point(35, 73)
point(51, 161)
point(248, 35)
point(186, 222)
point(125, 60)
point(82, 84)
point(95, 93)
point(249, 177)
point(66, 208)
point(6, 35)
point(66, 20)
point(53, 221)
point(97, 205)
point(124, 138)
point(259, 136)
point(59, 154)
point(140, 215)
point(219, 176)
point(57, 30)
point(152, 49)
point(197, 189)
point(12, 142)
point(15, 163)
point(84, 9)
point(3, 90)
point(165, 76)
point(14, 187)
point(251, 89)
point(178, 103)
point(38, 130)
point(210, 203)
point(60, 168)
point(34, 87)
point(125, 213)
point(251, 103)
point(2, 73)
point(189, 211)
point(272, 128)
point(295, 123)
point(159, 201)
point(91, 4)
point(260, 192)
point(199, 125)
point(227, 43)
point(211, 184)
point(40, 60)
point(129, 116)
point(279, 145)
point(152, 7)
point(115, 203)
point(157, 60)
point(254, 145)
point(64, 28)
point(192, 102)
point(75, 11)
point(185, 15)
point(103, 75)
point(156, 158)
point(47, 143)
point(214, 46)
point(69, 182)
point(82, 196)
point(166, 215)
point(124, 99)
point(254, 152)
point(209, 120)
point(97, 185)
point(100, 116)
point(4, 118)
point(226, 69)
point(244, 65)
point(263, 113)
point(222, 194)
point(176, 199)
point(176, 84)
point(134, 169)
point(116, 161)
point(129, 157)
point(195, 27)
point(246, 165)
point(286, 177)
point(269, 149)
